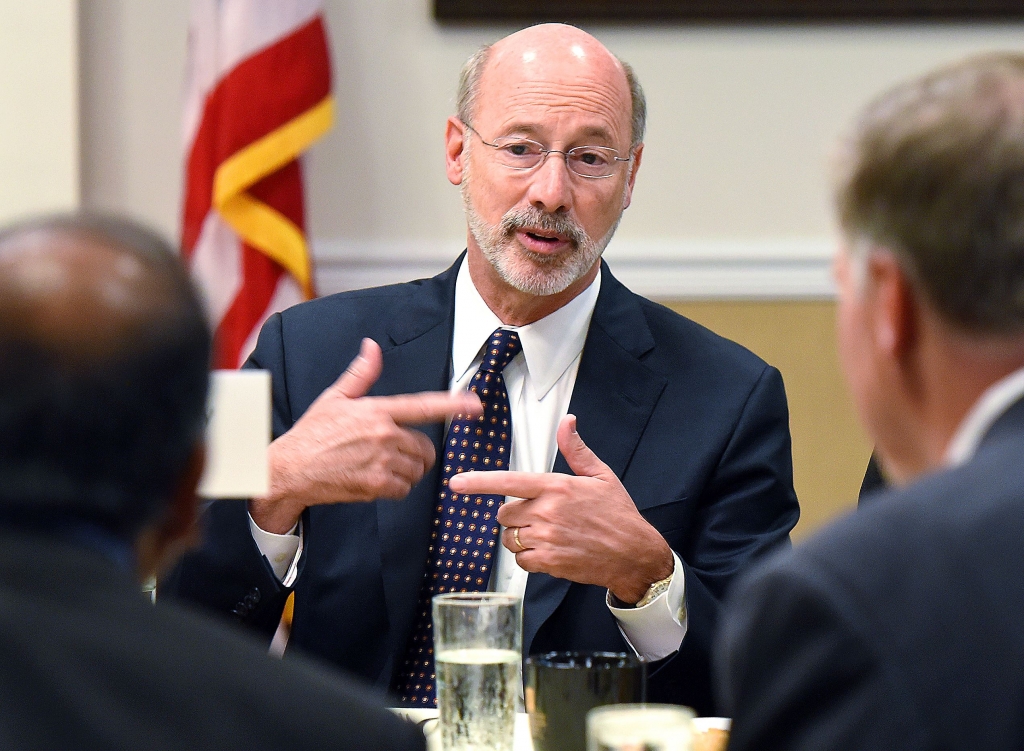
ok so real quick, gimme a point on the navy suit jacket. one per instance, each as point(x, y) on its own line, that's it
point(696, 427)
point(86, 662)
point(899, 627)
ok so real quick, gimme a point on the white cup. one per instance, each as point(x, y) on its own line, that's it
point(640, 727)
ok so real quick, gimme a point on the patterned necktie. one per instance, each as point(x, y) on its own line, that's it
point(465, 528)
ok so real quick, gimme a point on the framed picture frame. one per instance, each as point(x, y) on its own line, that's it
point(627, 11)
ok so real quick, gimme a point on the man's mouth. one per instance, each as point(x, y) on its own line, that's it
point(542, 240)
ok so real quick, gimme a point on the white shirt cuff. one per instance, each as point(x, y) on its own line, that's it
point(283, 551)
point(657, 629)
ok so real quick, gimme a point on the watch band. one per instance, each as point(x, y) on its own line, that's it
point(656, 589)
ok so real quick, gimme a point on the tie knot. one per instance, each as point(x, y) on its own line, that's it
point(501, 347)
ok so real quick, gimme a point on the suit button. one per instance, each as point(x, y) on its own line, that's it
point(253, 598)
point(241, 610)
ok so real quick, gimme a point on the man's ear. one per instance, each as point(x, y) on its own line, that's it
point(634, 166)
point(160, 545)
point(896, 310)
point(455, 135)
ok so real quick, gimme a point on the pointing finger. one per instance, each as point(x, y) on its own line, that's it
point(518, 484)
point(429, 406)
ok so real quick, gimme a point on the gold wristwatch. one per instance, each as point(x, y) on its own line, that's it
point(658, 588)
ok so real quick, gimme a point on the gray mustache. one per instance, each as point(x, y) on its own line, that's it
point(559, 223)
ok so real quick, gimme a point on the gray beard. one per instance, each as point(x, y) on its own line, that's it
point(529, 272)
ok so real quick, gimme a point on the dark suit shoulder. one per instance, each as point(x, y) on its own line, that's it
point(367, 309)
point(926, 580)
point(305, 704)
point(949, 510)
point(164, 676)
point(905, 554)
point(391, 294)
point(674, 330)
point(309, 345)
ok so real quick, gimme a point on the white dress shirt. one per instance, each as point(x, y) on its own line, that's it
point(539, 382)
point(990, 407)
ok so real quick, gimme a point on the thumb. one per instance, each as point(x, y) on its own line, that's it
point(362, 372)
point(578, 455)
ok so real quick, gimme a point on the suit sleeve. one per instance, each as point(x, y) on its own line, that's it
point(797, 670)
point(746, 509)
point(227, 574)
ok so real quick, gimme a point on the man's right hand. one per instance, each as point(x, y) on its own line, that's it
point(352, 447)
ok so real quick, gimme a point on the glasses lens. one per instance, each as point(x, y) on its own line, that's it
point(592, 161)
point(519, 154)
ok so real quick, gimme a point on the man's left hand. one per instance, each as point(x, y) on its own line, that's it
point(583, 528)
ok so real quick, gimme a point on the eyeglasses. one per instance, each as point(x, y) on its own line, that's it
point(523, 154)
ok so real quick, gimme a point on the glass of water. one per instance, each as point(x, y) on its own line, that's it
point(478, 658)
point(640, 727)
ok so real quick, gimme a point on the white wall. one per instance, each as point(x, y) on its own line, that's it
point(39, 155)
point(732, 198)
point(133, 63)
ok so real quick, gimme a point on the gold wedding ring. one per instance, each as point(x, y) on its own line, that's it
point(515, 536)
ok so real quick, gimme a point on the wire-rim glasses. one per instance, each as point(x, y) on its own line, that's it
point(592, 162)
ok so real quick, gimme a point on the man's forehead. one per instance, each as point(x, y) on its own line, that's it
point(553, 39)
point(555, 71)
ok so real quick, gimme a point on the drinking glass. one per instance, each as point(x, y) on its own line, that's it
point(477, 655)
point(640, 727)
point(561, 687)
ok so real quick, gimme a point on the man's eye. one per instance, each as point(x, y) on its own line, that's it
point(592, 158)
point(518, 149)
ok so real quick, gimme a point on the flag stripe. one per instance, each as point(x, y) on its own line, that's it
point(216, 263)
point(257, 160)
point(223, 33)
point(243, 224)
point(242, 109)
point(270, 218)
point(260, 277)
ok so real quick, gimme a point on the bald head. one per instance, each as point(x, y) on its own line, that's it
point(79, 292)
point(535, 50)
point(104, 354)
point(554, 53)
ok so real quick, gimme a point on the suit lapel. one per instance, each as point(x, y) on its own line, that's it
point(417, 359)
point(612, 399)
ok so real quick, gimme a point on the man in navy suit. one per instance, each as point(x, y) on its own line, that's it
point(650, 458)
point(900, 626)
point(104, 370)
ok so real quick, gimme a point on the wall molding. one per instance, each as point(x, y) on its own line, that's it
point(659, 269)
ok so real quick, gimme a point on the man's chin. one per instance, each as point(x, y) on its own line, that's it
point(556, 259)
point(538, 274)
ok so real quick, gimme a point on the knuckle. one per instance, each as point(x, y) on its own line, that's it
point(526, 561)
point(384, 432)
point(381, 482)
point(561, 484)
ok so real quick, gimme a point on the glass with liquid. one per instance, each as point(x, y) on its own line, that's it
point(478, 657)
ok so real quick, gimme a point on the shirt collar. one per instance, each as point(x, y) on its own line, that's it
point(549, 345)
point(982, 416)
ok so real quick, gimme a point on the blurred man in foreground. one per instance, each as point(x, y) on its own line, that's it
point(650, 459)
point(104, 354)
point(900, 626)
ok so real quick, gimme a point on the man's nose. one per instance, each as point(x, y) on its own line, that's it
point(551, 185)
